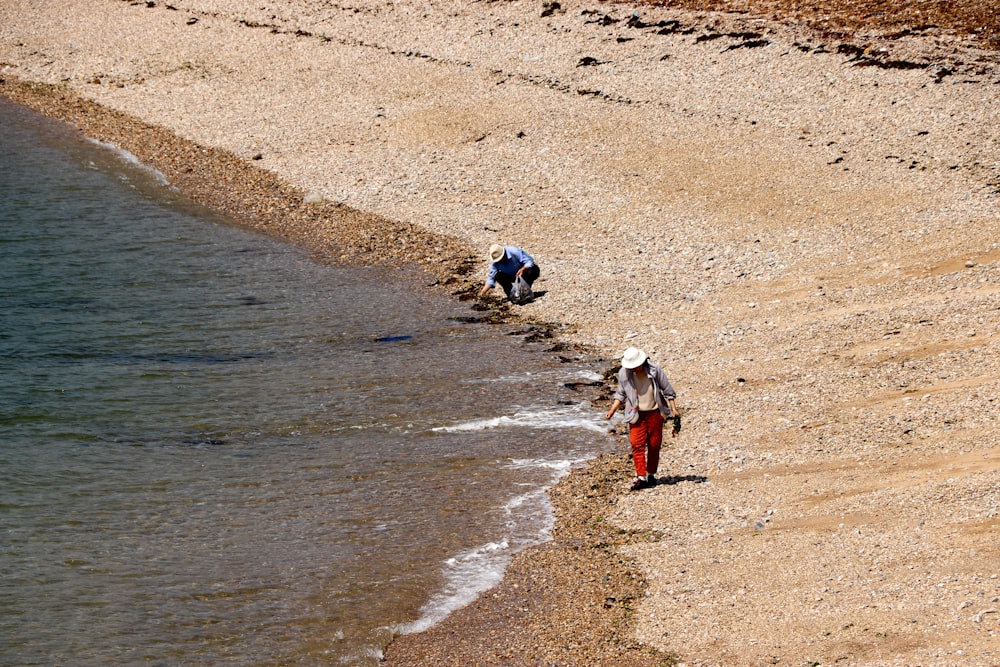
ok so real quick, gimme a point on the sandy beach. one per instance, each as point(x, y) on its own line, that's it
point(796, 213)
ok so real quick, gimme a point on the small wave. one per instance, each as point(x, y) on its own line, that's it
point(133, 160)
point(530, 518)
point(468, 575)
point(471, 573)
point(554, 375)
point(560, 466)
point(559, 418)
point(366, 655)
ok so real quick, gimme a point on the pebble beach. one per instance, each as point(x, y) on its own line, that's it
point(799, 219)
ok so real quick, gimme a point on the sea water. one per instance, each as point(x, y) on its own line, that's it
point(214, 450)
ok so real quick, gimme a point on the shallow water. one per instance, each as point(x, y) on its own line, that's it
point(216, 451)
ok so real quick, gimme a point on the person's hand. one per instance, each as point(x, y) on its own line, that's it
point(609, 414)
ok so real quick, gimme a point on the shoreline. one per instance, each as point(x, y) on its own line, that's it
point(802, 225)
point(522, 618)
point(253, 197)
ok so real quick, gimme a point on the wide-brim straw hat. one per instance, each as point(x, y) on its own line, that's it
point(496, 252)
point(633, 358)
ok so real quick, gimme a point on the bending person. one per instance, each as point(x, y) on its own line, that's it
point(506, 264)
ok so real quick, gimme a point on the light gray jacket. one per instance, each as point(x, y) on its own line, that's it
point(627, 394)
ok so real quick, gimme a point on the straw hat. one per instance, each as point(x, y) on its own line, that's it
point(496, 252)
point(633, 358)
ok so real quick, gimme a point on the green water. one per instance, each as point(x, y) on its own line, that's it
point(215, 451)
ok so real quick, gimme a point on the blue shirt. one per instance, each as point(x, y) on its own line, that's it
point(514, 259)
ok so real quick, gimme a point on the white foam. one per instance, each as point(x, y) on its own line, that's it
point(545, 418)
point(558, 375)
point(133, 160)
point(367, 654)
point(529, 519)
point(560, 466)
point(467, 575)
point(529, 515)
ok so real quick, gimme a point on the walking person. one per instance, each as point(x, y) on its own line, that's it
point(645, 391)
point(506, 264)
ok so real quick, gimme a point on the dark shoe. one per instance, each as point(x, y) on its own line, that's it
point(651, 480)
point(639, 483)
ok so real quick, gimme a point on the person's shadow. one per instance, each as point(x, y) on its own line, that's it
point(677, 479)
point(488, 306)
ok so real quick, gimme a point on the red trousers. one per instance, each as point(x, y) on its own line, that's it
point(646, 434)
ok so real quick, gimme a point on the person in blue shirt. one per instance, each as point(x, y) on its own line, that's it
point(506, 264)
